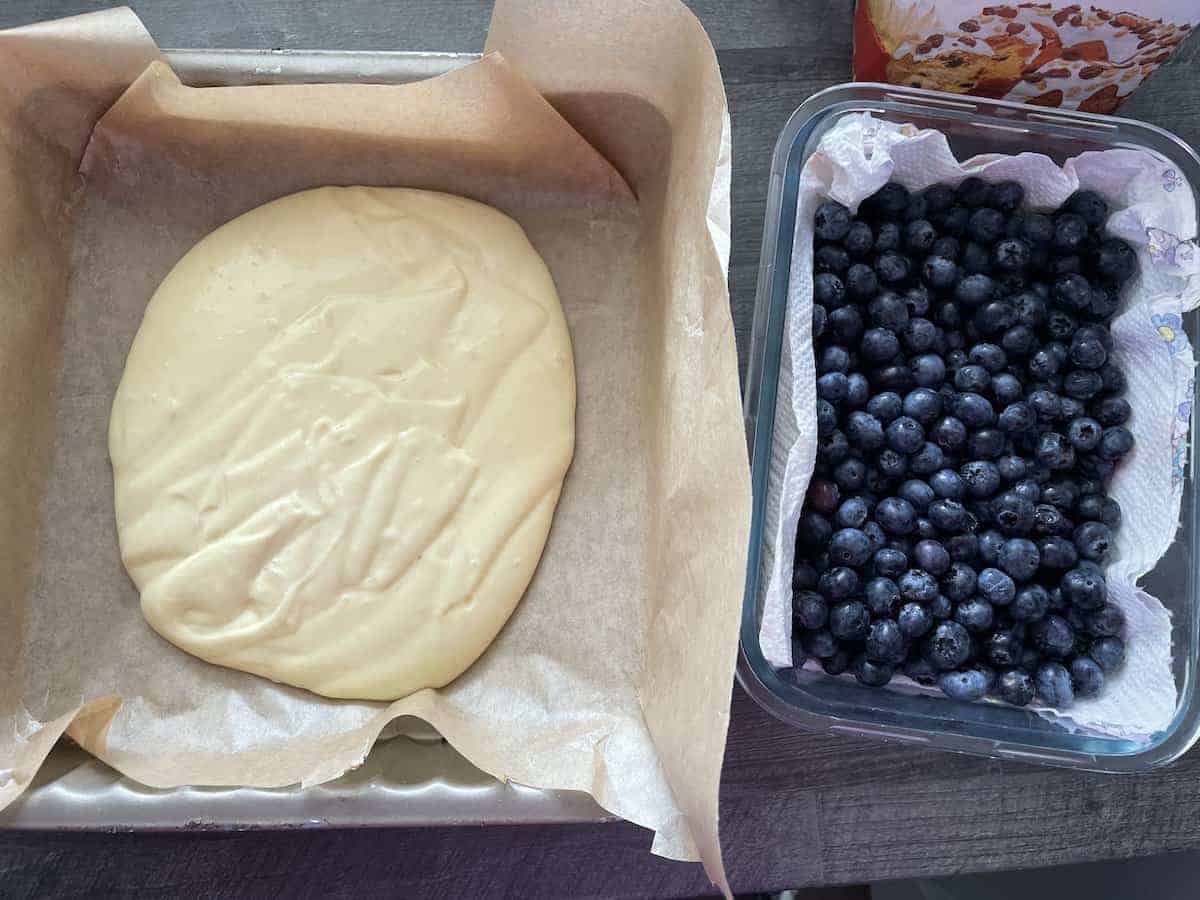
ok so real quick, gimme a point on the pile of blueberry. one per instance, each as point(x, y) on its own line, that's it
point(957, 523)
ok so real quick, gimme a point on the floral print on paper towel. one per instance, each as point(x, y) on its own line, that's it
point(1171, 180)
point(1170, 328)
point(1165, 247)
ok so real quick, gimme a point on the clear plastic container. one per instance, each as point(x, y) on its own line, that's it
point(815, 701)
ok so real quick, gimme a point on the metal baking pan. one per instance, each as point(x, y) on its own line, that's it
point(414, 778)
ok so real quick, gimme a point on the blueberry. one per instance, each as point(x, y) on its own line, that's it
point(1057, 553)
point(859, 240)
point(1072, 292)
point(972, 378)
point(974, 259)
point(996, 587)
point(891, 464)
point(928, 370)
point(960, 581)
point(996, 317)
point(839, 662)
point(1053, 637)
point(914, 620)
point(967, 685)
point(1106, 300)
point(1045, 404)
point(832, 387)
point(1090, 206)
point(1048, 361)
point(1015, 686)
point(1013, 514)
point(941, 607)
point(829, 290)
point(972, 192)
point(1093, 540)
point(879, 345)
point(975, 290)
point(1011, 255)
point(852, 513)
point(1088, 353)
point(1111, 411)
point(889, 202)
point(838, 583)
point(1116, 260)
point(820, 320)
point(888, 310)
point(919, 236)
point(849, 620)
point(981, 478)
point(931, 556)
point(1112, 378)
point(896, 515)
point(1029, 489)
point(917, 586)
point(819, 644)
point(1012, 467)
point(831, 258)
point(845, 324)
point(871, 673)
point(875, 535)
point(822, 496)
point(1006, 196)
point(939, 272)
point(975, 615)
point(811, 610)
point(1086, 676)
point(923, 405)
point(948, 647)
point(1115, 442)
point(927, 460)
point(1108, 621)
point(832, 221)
point(814, 530)
point(947, 484)
point(986, 444)
point(1061, 493)
point(973, 409)
point(887, 237)
point(891, 267)
point(827, 417)
point(849, 547)
point(1019, 558)
point(890, 563)
point(947, 315)
point(834, 359)
point(905, 435)
point(804, 576)
point(918, 493)
point(1108, 652)
point(861, 283)
point(925, 530)
point(1070, 231)
point(1037, 229)
point(881, 596)
point(1017, 417)
point(1048, 520)
point(949, 433)
point(1055, 451)
point(938, 197)
point(918, 208)
point(894, 378)
point(950, 516)
point(985, 226)
point(850, 475)
point(1054, 685)
point(864, 431)
point(1098, 508)
point(885, 642)
point(1003, 648)
point(989, 356)
point(858, 389)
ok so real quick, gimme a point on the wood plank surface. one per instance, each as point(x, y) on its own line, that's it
point(797, 809)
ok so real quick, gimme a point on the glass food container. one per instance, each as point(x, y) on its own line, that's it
point(817, 702)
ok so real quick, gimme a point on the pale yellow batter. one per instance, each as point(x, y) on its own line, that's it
point(340, 438)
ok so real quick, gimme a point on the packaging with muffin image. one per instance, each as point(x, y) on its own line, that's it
point(1071, 56)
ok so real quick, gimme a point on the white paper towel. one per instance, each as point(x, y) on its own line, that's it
point(1154, 211)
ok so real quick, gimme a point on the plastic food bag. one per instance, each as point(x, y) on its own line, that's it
point(1074, 56)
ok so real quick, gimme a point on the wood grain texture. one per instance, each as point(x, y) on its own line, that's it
point(797, 809)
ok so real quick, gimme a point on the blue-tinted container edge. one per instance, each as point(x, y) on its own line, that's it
point(960, 727)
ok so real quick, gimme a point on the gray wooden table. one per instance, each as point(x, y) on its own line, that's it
point(796, 809)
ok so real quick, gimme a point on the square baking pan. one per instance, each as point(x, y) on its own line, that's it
point(813, 700)
point(412, 778)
